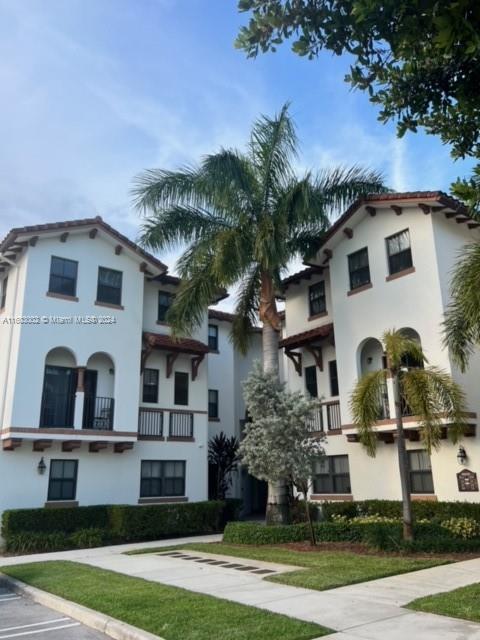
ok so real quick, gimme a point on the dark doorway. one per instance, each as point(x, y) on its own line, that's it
point(258, 494)
point(58, 398)
point(90, 387)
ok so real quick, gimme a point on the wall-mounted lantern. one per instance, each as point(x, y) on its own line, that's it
point(42, 467)
point(461, 455)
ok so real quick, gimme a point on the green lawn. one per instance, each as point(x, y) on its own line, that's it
point(460, 603)
point(170, 612)
point(323, 569)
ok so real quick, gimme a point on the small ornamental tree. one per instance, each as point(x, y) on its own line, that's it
point(223, 456)
point(278, 441)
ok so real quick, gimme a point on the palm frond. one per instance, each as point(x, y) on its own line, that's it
point(341, 186)
point(365, 407)
point(437, 400)
point(399, 346)
point(461, 327)
point(273, 146)
point(246, 309)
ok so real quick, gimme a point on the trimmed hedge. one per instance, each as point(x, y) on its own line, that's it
point(429, 537)
point(422, 509)
point(37, 530)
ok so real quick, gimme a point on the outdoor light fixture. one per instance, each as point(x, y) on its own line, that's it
point(461, 455)
point(42, 467)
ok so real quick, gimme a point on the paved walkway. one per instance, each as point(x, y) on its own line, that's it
point(369, 611)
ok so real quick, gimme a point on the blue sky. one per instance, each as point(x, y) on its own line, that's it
point(94, 91)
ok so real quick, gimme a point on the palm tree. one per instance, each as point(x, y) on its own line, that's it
point(244, 217)
point(462, 319)
point(429, 393)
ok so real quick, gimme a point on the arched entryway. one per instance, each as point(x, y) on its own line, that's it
point(59, 387)
point(99, 386)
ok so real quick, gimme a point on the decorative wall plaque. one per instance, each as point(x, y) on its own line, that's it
point(467, 480)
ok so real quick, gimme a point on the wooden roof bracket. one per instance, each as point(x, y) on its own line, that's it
point(317, 355)
point(171, 357)
point(196, 362)
point(296, 358)
point(145, 353)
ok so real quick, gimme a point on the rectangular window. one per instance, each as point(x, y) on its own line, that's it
point(63, 276)
point(359, 269)
point(3, 293)
point(421, 479)
point(62, 484)
point(332, 475)
point(316, 299)
point(311, 381)
point(399, 252)
point(162, 478)
point(212, 403)
point(150, 385)
point(165, 299)
point(181, 388)
point(332, 372)
point(213, 337)
point(109, 287)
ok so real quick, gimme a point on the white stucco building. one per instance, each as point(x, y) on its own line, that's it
point(386, 263)
point(97, 403)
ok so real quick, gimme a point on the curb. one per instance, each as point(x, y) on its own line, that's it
point(94, 619)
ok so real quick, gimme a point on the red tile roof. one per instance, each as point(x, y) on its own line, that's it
point(181, 345)
point(307, 337)
point(13, 234)
point(304, 274)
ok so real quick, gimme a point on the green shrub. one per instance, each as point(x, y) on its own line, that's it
point(422, 509)
point(37, 542)
point(298, 513)
point(256, 533)
point(88, 538)
point(465, 528)
point(48, 520)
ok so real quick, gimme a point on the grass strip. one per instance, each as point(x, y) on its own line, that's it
point(460, 603)
point(324, 569)
point(169, 612)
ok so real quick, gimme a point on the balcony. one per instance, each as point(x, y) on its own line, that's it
point(329, 414)
point(150, 424)
point(180, 425)
point(98, 413)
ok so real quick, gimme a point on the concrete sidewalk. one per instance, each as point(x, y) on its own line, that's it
point(369, 611)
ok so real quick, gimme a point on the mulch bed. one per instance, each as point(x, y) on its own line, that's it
point(356, 547)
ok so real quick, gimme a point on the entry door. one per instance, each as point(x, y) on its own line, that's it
point(58, 400)
point(89, 407)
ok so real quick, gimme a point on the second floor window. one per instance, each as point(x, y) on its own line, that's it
point(399, 252)
point(311, 381)
point(421, 479)
point(109, 287)
point(165, 299)
point(63, 276)
point(181, 388)
point(332, 372)
point(359, 269)
point(62, 484)
point(332, 475)
point(212, 403)
point(3, 293)
point(213, 337)
point(316, 299)
point(150, 385)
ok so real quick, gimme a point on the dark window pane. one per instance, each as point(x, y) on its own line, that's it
point(63, 480)
point(213, 403)
point(109, 288)
point(63, 276)
point(332, 475)
point(311, 381)
point(359, 268)
point(399, 252)
point(150, 385)
point(213, 337)
point(162, 478)
point(316, 298)
point(421, 479)
point(3, 294)
point(165, 300)
point(332, 371)
point(181, 388)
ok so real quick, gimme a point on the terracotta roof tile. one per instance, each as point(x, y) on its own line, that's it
point(181, 345)
point(307, 337)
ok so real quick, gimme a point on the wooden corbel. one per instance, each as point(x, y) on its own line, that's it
point(196, 361)
point(398, 210)
point(348, 231)
point(371, 211)
point(64, 236)
point(171, 357)
point(424, 207)
point(328, 253)
point(296, 358)
point(92, 233)
point(317, 355)
point(146, 351)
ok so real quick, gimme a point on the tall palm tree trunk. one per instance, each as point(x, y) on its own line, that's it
point(403, 462)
